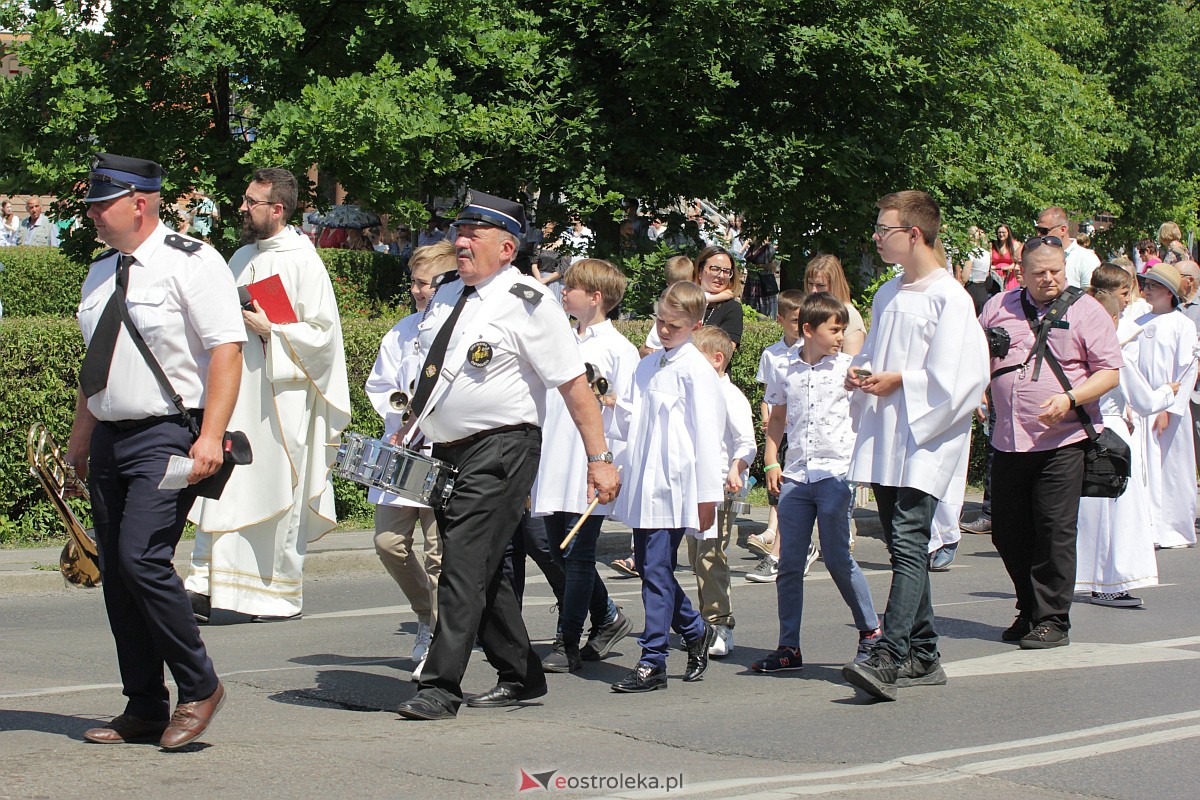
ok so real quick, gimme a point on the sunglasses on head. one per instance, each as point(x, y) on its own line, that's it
point(1037, 241)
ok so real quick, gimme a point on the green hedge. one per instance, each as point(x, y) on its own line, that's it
point(39, 281)
point(43, 281)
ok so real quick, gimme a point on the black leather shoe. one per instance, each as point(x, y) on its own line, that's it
point(201, 606)
point(1016, 631)
point(505, 694)
point(642, 678)
point(697, 651)
point(423, 706)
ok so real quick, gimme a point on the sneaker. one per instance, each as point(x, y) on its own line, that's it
point(761, 543)
point(723, 642)
point(625, 566)
point(876, 676)
point(1115, 599)
point(814, 550)
point(916, 671)
point(601, 639)
point(766, 571)
point(421, 645)
point(782, 660)
point(1016, 631)
point(979, 525)
point(642, 678)
point(563, 658)
point(416, 673)
point(941, 559)
point(201, 606)
point(1043, 637)
point(866, 643)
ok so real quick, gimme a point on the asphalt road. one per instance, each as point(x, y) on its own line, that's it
point(1114, 715)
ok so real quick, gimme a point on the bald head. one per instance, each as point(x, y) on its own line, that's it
point(1189, 271)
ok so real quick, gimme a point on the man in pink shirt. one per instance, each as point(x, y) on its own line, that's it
point(1039, 441)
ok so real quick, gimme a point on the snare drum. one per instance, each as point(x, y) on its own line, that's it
point(375, 463)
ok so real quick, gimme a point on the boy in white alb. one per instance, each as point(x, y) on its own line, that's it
point(396, 370)
point(591, 288)
point(708, 553)
point(1167, 354)
point(809, 401)
point(920, 377)
point(668, 419)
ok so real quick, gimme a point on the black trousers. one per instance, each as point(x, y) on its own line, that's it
point(474, 598)
point(1035, 517)
point(138, 526)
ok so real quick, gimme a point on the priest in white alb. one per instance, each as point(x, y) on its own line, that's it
point(294, 404)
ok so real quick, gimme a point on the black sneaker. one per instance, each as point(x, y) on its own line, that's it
point(697, 650)
point(602, 638)
point(642, 678)
point(201, 606)
point(564, 658)
point(1043, 637)
point(916, 671)
point(876, 676)
point(1016, 631)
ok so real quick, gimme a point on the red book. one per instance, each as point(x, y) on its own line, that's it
point(273, 299)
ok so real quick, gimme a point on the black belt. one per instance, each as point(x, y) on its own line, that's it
point(476, 437)
point(126, 425)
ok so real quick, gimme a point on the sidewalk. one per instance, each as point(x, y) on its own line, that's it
point(35, 569)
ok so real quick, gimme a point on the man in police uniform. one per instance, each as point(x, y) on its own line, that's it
point(494, 347)
point(180, 296)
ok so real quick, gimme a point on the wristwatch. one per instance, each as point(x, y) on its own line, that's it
point(606, 457)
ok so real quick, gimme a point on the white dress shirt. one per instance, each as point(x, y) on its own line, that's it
point(184, 304)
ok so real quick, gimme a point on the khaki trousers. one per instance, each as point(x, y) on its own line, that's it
point(710, 562)
point(394, 529)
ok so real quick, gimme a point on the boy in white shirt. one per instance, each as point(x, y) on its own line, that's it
point(709, 555)
point(396, 370)
point(809, 401)
point(667, 419)
point(921, 373)
point(591, 288)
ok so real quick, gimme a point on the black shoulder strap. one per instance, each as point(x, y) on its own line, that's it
point(1041, 328)
point(1084, 417)
point(157, 369)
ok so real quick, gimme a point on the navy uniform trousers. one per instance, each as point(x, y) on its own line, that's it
point(138, 526)
point(476, 526)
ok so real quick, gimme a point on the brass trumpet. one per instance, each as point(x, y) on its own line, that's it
point(79, 561)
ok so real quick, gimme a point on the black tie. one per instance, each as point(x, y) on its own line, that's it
point(437, 354)
point(93, 373)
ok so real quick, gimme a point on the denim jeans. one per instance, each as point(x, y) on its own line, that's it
point(907, 517)
point(655, 552)
point(825, 503)
point(584, 592)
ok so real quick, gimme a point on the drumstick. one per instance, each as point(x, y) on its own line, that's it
point(591, 507)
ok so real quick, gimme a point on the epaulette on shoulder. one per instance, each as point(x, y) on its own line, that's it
point(182, 243)
point(527, 293)
point(445, 277)
point(110, 251)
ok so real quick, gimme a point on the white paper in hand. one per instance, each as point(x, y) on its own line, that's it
point(178, 469)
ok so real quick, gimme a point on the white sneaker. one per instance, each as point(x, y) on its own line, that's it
point(766, 571)
point(814, 550)
point(421, 646)
point(416, 673)
point(722, 643)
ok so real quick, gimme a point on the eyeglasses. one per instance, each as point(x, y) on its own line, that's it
point(882, 230)
point(250, 202)
point(1038, 241)
point(719, 272)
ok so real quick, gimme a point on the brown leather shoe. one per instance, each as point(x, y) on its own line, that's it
point(127, 728)
point(191, 719)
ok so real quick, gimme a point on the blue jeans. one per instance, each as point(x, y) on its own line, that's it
point(584, 592)
point(826, 503)
point(655, 553)
point(907, 516)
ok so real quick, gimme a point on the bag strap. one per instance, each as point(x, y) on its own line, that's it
point(157, 369)
point(1041, 328)
point(1084, 417)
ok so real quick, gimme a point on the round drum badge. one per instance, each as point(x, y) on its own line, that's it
point(480, 354)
